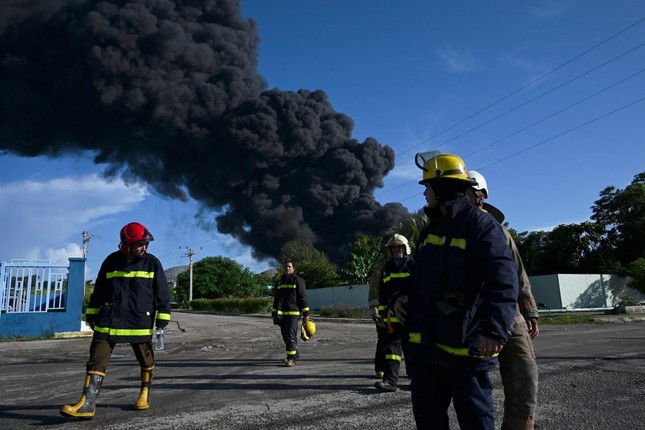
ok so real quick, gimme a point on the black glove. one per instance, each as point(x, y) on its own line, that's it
point(277, 321)
point(161, 324)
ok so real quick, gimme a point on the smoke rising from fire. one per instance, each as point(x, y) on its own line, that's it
point(167, 93)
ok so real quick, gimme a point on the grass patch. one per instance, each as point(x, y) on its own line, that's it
point(344, 311)
point(44, 336)
point(566, 318)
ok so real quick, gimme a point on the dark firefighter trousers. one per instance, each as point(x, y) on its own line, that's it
point(379, 355)
point(395, 349)
point(289, 331)
point(435, 386)
point(101, 352)
point(519, 372)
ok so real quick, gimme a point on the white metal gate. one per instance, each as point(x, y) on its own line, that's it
point(32, 286)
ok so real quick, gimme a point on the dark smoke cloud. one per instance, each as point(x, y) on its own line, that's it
point(167, 93)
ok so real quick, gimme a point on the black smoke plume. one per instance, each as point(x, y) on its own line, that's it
point(167, 93)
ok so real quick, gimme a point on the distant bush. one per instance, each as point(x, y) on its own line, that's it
point(627, 301)
point(344, 311)
point(249, 305)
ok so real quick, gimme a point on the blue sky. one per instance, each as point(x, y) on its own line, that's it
point(544, 98)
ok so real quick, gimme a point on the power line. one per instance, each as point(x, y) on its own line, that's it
point(564, 133)
point(579, 126)
point(555, 113)
point(538, 121)
point(571, 60)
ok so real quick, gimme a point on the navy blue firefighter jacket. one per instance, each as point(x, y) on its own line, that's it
point(128, 297)
point(464, 283)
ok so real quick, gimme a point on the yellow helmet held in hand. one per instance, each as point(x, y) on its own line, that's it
point(442, 166)
point(307, 329)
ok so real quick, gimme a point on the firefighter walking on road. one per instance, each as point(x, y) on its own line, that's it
point(393, 276)
point(289, 303)
point(130, 297)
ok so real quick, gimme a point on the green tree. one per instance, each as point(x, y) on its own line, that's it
point(568, 248)
point(622, 212)
point(215, 277)
point(365, 254)
point(410, 227)
point(637, 271)
point(311, 264)
point(531, 247)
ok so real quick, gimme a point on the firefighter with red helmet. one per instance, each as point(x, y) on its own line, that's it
point(130, 298)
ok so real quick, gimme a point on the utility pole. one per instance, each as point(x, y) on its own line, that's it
point(190, 252)
point(86, 240)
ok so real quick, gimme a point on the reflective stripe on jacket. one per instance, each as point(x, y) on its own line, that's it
point(127, 298)
point(290, 297)
point(394, 277)
point(464, 284)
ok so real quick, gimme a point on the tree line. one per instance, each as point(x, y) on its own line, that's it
point(612, 241)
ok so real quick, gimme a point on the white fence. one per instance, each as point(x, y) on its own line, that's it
point(32, 286)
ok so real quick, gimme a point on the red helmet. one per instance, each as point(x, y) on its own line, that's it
point(135, 232)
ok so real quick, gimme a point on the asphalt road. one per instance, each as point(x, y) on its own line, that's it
point(224, 372)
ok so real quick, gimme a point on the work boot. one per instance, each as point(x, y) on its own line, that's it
point(385, 386)
point(513, 423)
point(289, 363)
point(86, 406)
point(143, 402)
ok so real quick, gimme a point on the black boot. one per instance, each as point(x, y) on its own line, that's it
point(143, 402)
point(86, 406)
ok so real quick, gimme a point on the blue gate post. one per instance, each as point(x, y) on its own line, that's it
point(75, 292)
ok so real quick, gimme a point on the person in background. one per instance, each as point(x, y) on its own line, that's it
point(393, 276)
point(517, 365)
point(381, 329)
point(130, 297)
point(289, 302)
point(460, 306)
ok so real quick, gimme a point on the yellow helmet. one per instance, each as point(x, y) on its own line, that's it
point(307, 330)
point(442, 166)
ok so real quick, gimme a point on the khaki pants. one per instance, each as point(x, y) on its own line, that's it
point(519, 373)
point(101, 352)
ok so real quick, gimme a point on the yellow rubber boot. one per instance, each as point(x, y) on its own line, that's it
point(143, 402)
point(86, 406)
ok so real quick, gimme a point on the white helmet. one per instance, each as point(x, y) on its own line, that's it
point(481, 182)
point(398, 239)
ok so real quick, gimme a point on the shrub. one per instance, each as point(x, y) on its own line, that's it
point(248, 305)
point(344, 311)
point(627, 301)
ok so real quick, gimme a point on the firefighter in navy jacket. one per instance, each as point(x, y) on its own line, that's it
point(130, 297)
point(289, 302)
point(394, 276)
point(461, 304)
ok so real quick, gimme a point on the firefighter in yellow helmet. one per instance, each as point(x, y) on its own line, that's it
point(517, 365)
point(460, 306)
point(130, 297)
point(393, 275)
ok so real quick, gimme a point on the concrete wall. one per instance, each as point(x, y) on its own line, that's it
point(353, 295)
point(554, 291)
point(36, 324)
point(585, 291)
